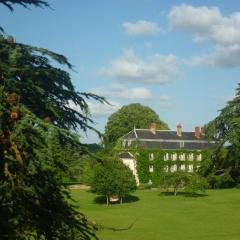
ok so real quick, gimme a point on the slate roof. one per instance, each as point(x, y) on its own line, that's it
point(166, 139)
point(161, 134)
point(175, 145)
point(125, 155)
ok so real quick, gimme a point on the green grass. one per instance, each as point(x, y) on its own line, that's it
point(159, 217)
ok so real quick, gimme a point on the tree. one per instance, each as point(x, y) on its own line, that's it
point(175, 180)
point(225, 131)
point(112, 178)
point(188, 182)
point(128, 117)
point(25, 3)
point(35, 118)
point(196, 183)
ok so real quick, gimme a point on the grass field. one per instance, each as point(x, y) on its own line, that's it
point(161, 217)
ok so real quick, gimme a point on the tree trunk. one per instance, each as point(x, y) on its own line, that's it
point(175, 191)
point(120, 200)
point(107, 200)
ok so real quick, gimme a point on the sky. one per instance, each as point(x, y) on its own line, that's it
point(179, 58)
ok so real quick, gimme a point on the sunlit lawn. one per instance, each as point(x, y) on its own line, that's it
point(155, 216)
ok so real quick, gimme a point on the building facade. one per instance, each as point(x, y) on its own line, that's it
point(151, 152)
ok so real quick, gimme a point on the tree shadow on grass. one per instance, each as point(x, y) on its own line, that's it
point(126, 199)
point(184, 194)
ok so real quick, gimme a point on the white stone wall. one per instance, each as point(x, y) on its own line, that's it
point(131, 163)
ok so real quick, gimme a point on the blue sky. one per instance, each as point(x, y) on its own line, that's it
point(179, 58)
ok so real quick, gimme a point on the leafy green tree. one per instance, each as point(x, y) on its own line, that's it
point(196, 183)
point(225, 130)
point(35, 116)
point(174, 180)
point(180, 180)
point(112, 178)
point(128, 117)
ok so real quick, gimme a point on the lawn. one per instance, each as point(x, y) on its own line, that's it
point(160, 217)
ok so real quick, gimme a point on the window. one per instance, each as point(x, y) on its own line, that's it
point(151, 156)
point(166, 157)
point(124, 143)
point(181, 144)
point(182, 167)
point(199, 157)
point(165, 169)
point(174, 156)
point(190, 157)
point(182, 156)
point(190, 168)
point(129, 142)
point(174, 168)
point(151, 168)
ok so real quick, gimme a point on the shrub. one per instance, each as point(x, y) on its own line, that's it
point(196, 184)
point(113, 178)
point(220, 181)
point(188, 182)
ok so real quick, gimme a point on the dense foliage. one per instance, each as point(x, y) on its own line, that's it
point(128, 117)
point(184, 181)
point(112, 178)
point(225, 130)
point(35, 116)
point(160, 166)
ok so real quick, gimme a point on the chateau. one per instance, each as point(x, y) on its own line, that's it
point(150, 152)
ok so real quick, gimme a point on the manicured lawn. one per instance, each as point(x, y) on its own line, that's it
point(155, 216)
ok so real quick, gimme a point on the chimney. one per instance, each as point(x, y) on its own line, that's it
point(179, 129)
point(198, 132)
point(153, 127)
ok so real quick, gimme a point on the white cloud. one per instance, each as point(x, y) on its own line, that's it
point(206, 23)
point(153, 69)
point(102, 109)
point(141, 28)
point(123, 92)
point(220, 56)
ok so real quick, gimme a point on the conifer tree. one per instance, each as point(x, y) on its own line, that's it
point(35, 119)
point(36, 96)
point(225, 130)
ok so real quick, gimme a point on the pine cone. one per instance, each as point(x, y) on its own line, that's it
point(13, 98)
point(14, 114)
